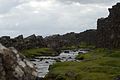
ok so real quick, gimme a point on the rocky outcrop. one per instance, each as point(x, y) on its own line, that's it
point(21, 43)
point(14, 66)
point(34, 42)
point(54, 41)
point(108, 29)
point(88, 36)
point(69, 39)
point(5, 40)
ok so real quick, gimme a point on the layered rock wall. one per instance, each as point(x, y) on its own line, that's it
point(108, 29)
point(70, 39)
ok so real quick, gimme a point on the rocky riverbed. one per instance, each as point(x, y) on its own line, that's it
point(42, 63)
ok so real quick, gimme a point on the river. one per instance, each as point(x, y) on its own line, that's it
point(42, 63)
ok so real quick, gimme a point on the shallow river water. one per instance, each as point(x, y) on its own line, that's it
point(42, 63)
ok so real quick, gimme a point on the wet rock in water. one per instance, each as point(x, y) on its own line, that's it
point(74, 50)
point(80, 53)
point(63, 57)
point(70, 58)
point(117, 78)
point(14, 66)
point(41, 59)
point(66, 51)
point(46, 62)
point(81, 58)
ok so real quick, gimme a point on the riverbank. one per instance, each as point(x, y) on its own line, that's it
point(99, 64)
point(43, 63)
point(32, 53)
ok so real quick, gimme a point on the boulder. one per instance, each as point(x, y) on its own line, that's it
point(14, 66)
point(5, 40)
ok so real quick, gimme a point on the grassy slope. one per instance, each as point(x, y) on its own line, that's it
point(100, 64)
point(39, 52)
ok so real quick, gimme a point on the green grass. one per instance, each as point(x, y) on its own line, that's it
point(79, 46)
point(69, 47)
point(100, 64)
point(39, 52)
point(86, 45)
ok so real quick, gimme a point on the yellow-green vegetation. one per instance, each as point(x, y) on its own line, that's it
point(79, 46)
point(69, 47)
point(86, 45)
point(39, 52)
point(100, 64)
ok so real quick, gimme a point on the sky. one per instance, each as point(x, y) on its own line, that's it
point(48, 17)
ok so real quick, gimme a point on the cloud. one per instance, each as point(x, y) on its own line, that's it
point(46, 17)
point(6, 5)
point(105, 2)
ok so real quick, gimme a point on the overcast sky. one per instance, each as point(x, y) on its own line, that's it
point(47, 17)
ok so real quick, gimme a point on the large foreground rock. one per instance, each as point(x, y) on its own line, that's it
point(14, 66)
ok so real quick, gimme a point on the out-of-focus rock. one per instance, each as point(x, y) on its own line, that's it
point(14, 66)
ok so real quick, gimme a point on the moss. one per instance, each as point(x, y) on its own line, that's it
point(39, 52)
point(99, 64)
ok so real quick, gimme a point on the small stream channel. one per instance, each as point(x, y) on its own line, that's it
point(42, 63)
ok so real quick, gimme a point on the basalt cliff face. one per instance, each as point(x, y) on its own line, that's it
point(69, 39)
point(108, 29)
point(14, 66)
point(54, 41)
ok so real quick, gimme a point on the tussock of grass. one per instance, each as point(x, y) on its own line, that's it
point(100, 64)
point(39, 52)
